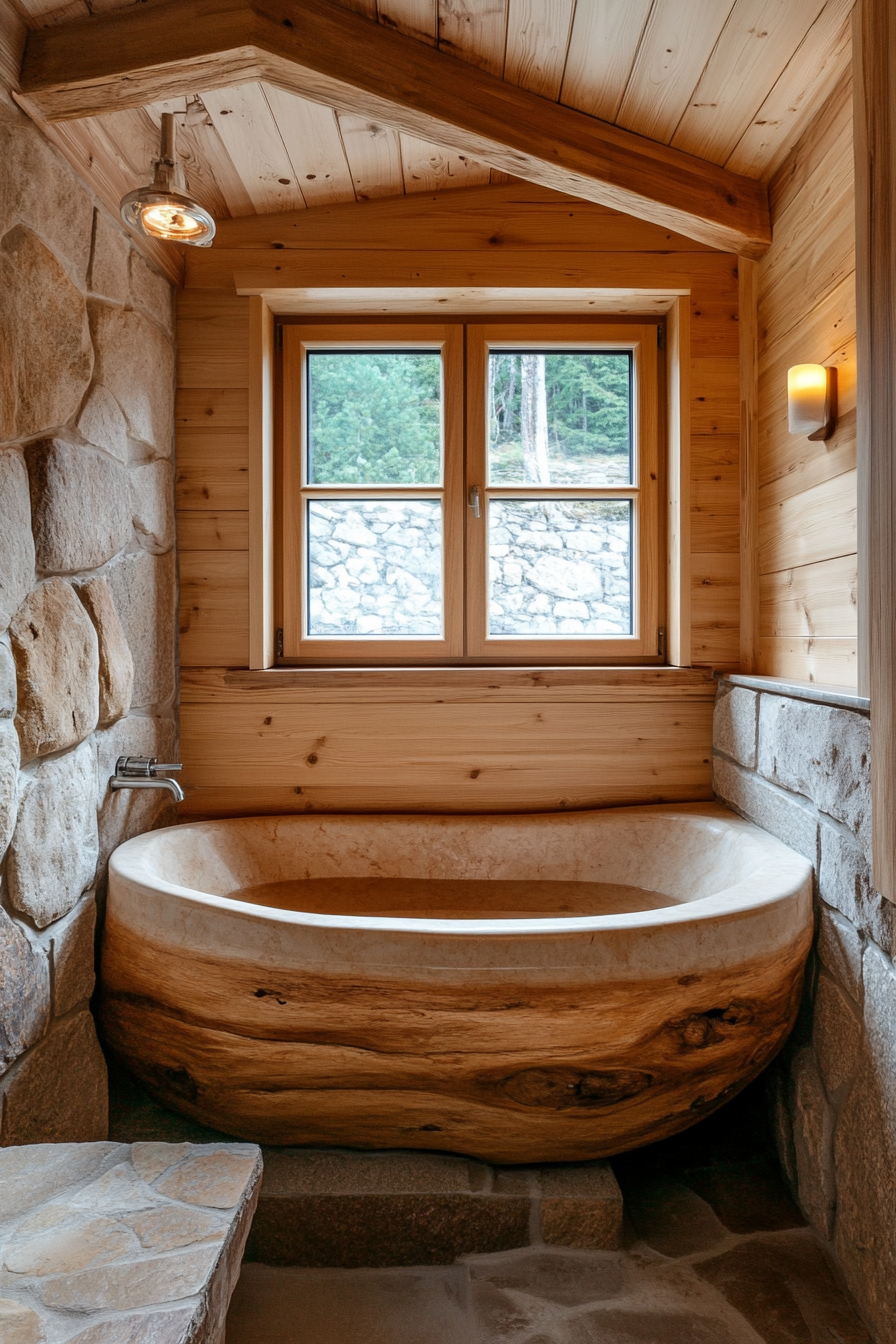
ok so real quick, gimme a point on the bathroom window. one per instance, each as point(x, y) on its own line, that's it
point(469, 492)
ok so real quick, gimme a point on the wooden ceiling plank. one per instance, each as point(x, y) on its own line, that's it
point(310, 133)
point(805, 85)
point(537, 41)
point(210, 171)
point(246, 125)
point(512, 217)
point(677, 43)
point(605, 38)
point(416, 18)
point(386, 79)
point(373, 152)
point(476, 31)
point(428, 167)
point(756, 44)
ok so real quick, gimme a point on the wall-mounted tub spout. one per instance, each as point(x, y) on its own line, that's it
point(139, 772)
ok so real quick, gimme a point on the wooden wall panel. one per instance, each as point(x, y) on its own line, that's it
point(430, 756)
point(807, 491)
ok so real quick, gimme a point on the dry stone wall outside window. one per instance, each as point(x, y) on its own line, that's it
point(87, 614)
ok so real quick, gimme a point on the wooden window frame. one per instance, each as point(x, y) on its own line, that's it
point(447, 338)
point(641, 341)
point(464, 464)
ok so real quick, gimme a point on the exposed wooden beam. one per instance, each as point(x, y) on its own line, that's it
point(323, 52)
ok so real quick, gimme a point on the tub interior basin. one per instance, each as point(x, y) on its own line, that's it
point(452, 898)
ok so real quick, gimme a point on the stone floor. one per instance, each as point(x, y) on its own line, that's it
point(714, 1252)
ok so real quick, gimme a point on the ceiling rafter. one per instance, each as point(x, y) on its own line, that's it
point(321, 51)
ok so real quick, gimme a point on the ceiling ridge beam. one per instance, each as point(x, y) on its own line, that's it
point(318, 50)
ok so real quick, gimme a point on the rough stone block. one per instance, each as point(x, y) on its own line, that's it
point(116, 663)
point(19, 1324)
point(7, 679)
point(58, 1092)
point(102, 423)
point(734, 723)
point(16, 539)
point(132, 811)
point(840, 950)
point(152, 504)
point(813, 1133)
point(337, 1209)
point(836, 1035)
point(865, 1154)
point(151, 291)
point(74, 957)
point(581, 1206)
point(144, 587)
point(57, 665)
point(39, 188)
point(822, 753)
point(775, 811)
point(108, 275)
point(844, 881)
point(9, 782)
point(125, 1263)
point(24, 991)
point(53, 853)
point(80, 506)
point(44, 336)
point(135, 362)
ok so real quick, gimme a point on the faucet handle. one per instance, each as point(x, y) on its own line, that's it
point(141, 767)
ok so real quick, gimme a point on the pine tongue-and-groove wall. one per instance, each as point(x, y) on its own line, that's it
point(807, 491)
point(462, 740)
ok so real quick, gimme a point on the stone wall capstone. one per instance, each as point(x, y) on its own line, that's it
point(87, 591)
point(801, 770)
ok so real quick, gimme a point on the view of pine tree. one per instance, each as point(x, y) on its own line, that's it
point(562, 419)
point(374, 418)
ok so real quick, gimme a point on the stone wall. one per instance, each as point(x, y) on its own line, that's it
point(800, 769)
point(87, 592)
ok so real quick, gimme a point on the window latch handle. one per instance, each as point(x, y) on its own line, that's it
point(473, 500)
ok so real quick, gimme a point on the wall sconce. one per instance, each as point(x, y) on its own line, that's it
point(812, 400)
point(163, 209)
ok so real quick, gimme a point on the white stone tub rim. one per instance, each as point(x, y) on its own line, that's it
point(780, 877)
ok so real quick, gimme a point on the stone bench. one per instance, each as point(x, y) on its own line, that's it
point(340, 1208)
point(111, 1243)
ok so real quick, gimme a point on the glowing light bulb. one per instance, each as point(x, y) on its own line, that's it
point(811, 400)
point(162, 209)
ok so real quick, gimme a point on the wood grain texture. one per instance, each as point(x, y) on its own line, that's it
point(506, 1073)
point(600, 758)
point(807, 491)
point(346, 61)
point(297, 752)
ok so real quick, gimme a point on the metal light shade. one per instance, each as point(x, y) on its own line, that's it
point(163, 209)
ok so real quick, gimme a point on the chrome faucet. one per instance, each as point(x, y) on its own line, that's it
point(139, 772)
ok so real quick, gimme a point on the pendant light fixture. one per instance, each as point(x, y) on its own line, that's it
point(163, 209)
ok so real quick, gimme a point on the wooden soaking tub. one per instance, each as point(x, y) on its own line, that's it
point(519, 988)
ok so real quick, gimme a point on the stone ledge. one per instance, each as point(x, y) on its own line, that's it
point(340, 1209)
point(840, 697)
point(108, 1243)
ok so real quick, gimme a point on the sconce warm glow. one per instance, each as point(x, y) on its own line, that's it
point(812, 400)
point(162, 209)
